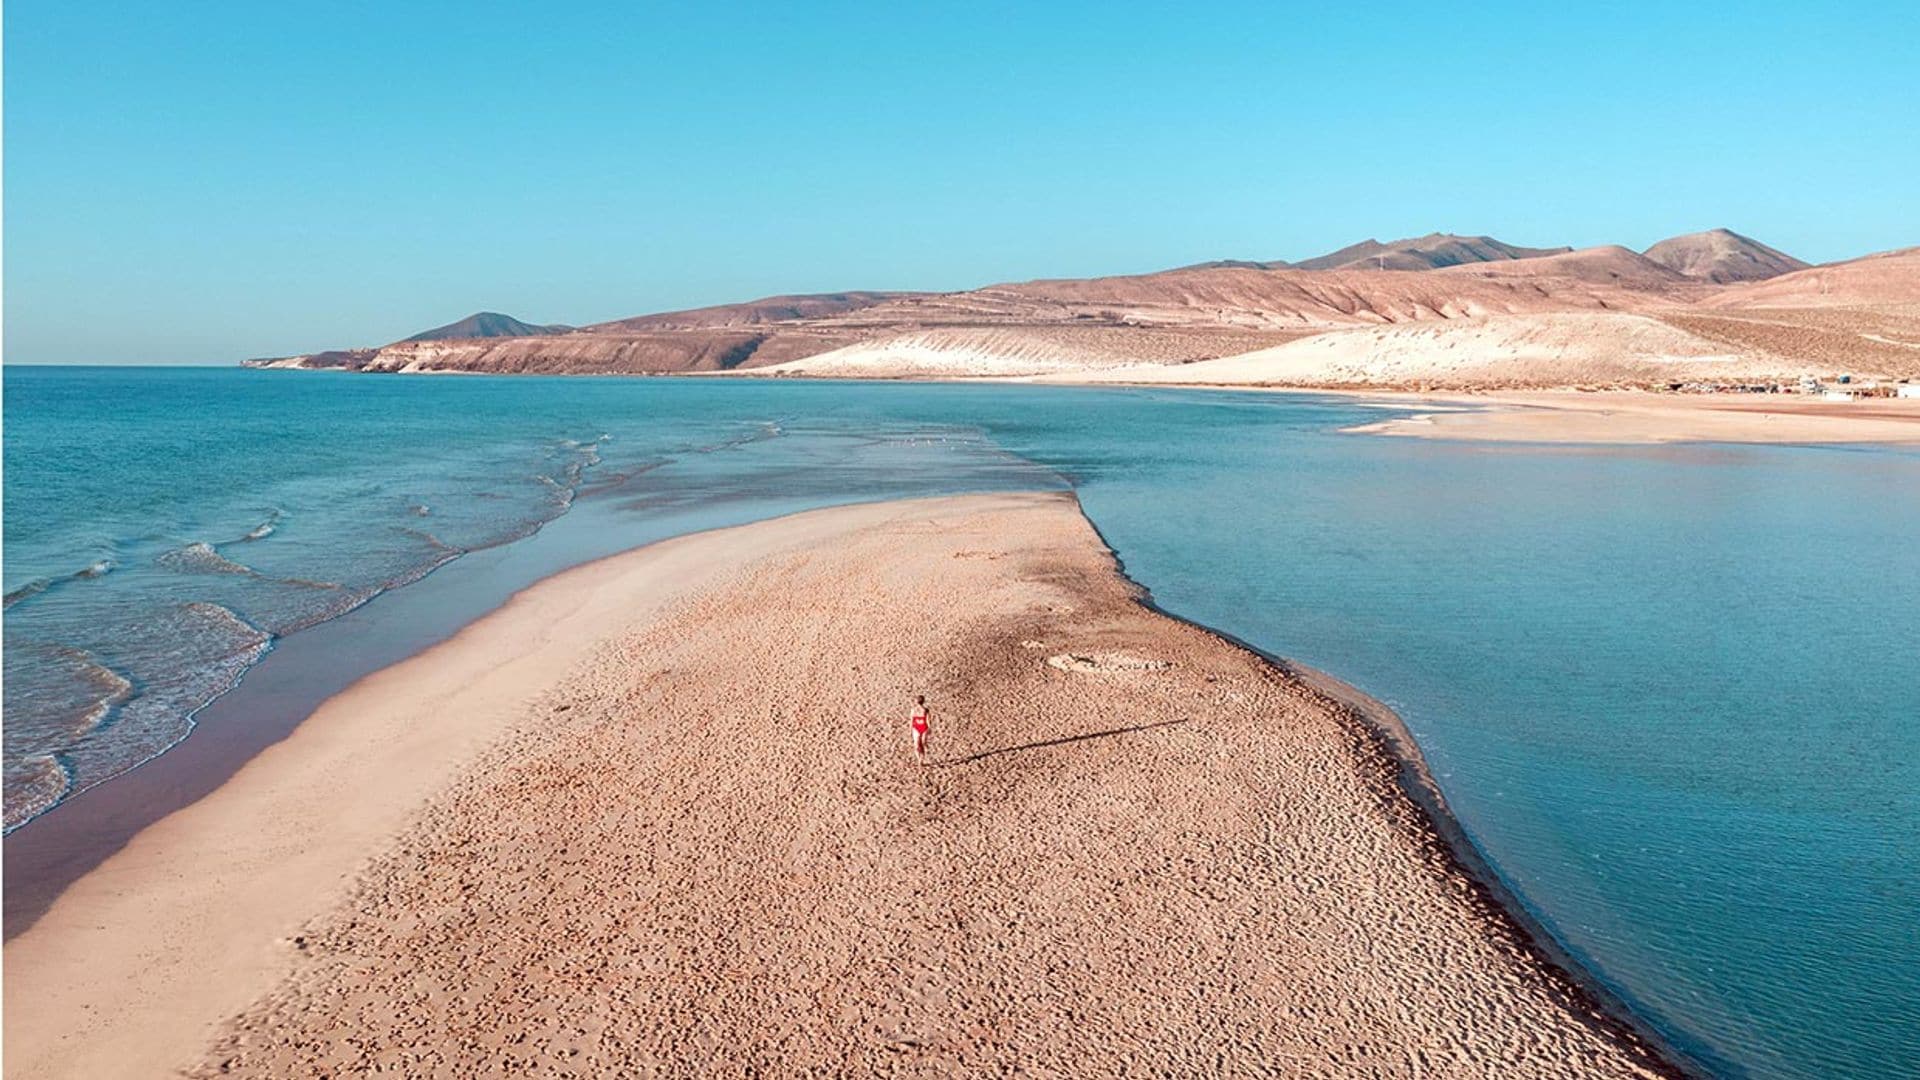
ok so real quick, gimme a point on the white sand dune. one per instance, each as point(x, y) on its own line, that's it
point(1537, 350)
point(976, 351)
point(948, 352)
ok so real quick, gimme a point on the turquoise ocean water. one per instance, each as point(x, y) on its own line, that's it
point(1673, 694)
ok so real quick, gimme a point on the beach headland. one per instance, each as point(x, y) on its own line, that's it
point(659, 813)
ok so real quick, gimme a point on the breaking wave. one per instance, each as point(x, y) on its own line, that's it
point(96, 569)
point(201, 558)
point(31, 588)
point(81, 703)
point(35, 783)
point(264, 529)
point(184, 622)
point(767, 429)
point(211, 648)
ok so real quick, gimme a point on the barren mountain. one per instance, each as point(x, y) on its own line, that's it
point(1500, 316)
point(772, 309)
point(1609, 265)
point(1429, 252)
point(1722, 256)
point(486, 324)
point(1238, 264)
point(1599, 279)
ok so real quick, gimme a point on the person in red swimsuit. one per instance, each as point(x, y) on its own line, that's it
point(920, 728)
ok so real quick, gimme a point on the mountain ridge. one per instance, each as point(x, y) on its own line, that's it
point(1433, 251)
point(1860, 314)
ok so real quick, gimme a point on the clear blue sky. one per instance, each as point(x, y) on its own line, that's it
point(200, 182)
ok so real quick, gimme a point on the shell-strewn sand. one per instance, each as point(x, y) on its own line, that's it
point(701, 845)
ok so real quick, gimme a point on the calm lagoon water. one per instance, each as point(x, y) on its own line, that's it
point(1673, 694)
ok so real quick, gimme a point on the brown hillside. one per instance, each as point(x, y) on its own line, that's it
point(1890, 277)
point(772, 309)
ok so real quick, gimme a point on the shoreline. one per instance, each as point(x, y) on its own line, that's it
point(1384, 728)
point(1381, 729)
point(1636, 417)
point(1557, 416)
point(296, 677)
point(1553, 416)
point(273, 697)
point(1407, 773)
point(259, 770)
point(1609, 417)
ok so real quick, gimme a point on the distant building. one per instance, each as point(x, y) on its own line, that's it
point(1907, 390)
point(1839, 393)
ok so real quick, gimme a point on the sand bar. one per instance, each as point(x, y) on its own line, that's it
point(1609, 416)
point(1619, 416)
point(657, 815)
point(1630, 417)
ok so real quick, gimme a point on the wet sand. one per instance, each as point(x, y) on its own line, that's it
point(659, 815)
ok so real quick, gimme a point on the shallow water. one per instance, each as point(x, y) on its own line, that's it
point(1670, 692)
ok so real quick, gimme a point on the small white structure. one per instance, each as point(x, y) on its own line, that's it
point(1907, 390)
point(1839, 394)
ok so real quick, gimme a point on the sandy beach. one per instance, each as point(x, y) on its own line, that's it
point(659, 815)
point(1628, 417)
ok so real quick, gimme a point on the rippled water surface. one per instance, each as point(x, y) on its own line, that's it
point(1673, 694)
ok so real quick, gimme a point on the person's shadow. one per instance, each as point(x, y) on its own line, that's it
point(1062, 741)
